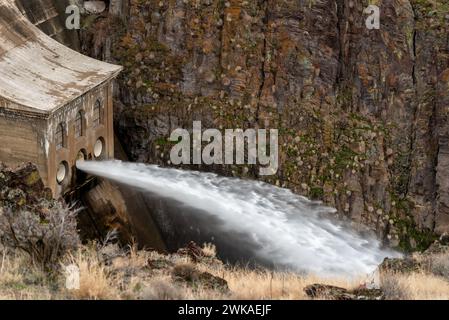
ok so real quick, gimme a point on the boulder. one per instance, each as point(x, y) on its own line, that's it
point(317, 291)
point(321, 291)
point(397, 265)
point(444, 239)
point(192, 250)
point(94, 7)
point(190, 274)
point(22, 186)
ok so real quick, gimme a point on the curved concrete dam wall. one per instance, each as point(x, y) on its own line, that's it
point(49, 16)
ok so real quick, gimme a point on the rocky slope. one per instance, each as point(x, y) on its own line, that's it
point(22, 189)
point(109, 271)
point(362, 114)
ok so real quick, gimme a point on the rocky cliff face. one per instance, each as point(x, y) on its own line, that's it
point(362, 113)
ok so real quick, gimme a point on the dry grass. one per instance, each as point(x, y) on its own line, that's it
point(21, 280)
point(94, 280)
point(267, 285)
point(163, 289)
point(415, 286)
point(430, 284)
point(249, 284)
point(209, 250)
point(438, 264)
point(110, 273)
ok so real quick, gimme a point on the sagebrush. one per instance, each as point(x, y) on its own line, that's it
point(45, 236)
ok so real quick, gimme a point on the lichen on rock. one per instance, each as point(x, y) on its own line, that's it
point(361, 113)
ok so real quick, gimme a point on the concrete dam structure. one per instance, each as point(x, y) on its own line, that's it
point(56, 103)
point(48, 16)
point(56, 109)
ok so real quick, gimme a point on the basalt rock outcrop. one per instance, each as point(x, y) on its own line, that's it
point(362, 114)
point(321, 291)
point(431, 261)
point(22, 188)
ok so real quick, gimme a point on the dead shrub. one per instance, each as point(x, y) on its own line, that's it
point(45, 236)
point(393, 287)
point(439, 265)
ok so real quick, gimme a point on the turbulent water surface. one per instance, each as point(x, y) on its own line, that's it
point(289, 230)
